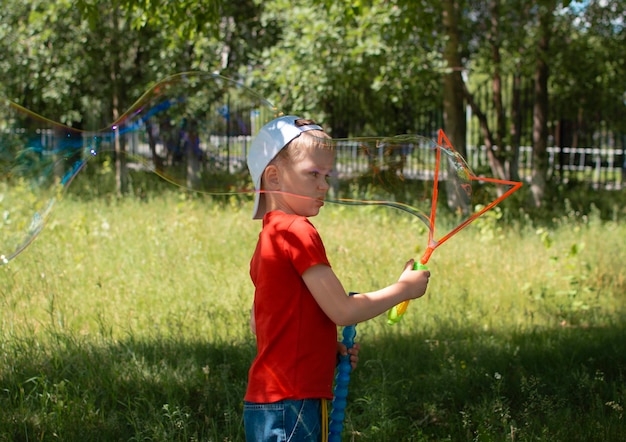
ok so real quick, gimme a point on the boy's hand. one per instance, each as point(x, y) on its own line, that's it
point(353, 352)
point(415, 281)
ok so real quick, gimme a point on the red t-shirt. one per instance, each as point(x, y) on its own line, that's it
point(296, 341)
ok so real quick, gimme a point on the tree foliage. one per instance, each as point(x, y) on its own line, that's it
point(344, 64)
point(367, 67)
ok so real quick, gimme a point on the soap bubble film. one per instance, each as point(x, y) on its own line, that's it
point(193, 131)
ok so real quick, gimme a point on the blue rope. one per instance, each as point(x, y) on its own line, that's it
point(342, 379)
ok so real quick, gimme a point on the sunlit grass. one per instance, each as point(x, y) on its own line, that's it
point(128, 320)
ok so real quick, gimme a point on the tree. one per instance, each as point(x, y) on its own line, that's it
point(540, 109)
point(590, 88)
point(370, 67)
point(361, 68)
point(453, 84)
point(499, 52)
point(40, 46)
point(216, 37)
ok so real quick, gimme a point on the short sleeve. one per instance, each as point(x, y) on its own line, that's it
point(305, 245)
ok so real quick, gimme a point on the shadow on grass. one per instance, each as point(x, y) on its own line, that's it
point(565, 384)
point(75, 390)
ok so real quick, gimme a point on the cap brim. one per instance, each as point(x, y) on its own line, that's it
point(259, 205)
point(259, 201)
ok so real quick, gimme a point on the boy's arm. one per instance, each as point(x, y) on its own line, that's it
point(346, 310)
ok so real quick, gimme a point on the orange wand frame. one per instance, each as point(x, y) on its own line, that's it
point(458, 165)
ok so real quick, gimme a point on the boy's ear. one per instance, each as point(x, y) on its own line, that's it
point(271, 177)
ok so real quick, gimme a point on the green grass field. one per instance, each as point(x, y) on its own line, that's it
point(129, 321)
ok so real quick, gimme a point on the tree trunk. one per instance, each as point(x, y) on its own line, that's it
point(516, 126)
point(498, 153)
point(540, 109)
point(119, 149)
point(193, 154)
point(157, 161)
point(454, 122)
point(121, 172)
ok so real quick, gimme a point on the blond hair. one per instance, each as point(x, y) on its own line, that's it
point(311, 139)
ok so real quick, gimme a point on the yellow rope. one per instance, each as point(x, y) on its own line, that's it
point(324, 420)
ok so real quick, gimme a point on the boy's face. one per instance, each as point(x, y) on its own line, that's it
point(304, 182)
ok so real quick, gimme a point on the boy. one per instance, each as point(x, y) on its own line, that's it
point(298, 300)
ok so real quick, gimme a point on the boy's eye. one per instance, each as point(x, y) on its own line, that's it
point(317, 174)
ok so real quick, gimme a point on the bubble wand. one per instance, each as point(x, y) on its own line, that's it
point(458, 165)
point(380, 161)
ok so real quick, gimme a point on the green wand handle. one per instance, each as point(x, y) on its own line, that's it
point(397, 311)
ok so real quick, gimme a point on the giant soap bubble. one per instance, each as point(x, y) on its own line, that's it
point(193, 130)
point(186, 129)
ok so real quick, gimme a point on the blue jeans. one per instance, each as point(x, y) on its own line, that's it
point(283, 421)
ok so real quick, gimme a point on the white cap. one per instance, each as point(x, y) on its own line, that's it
point(270, 140)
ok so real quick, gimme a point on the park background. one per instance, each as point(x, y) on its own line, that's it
point(126, 319)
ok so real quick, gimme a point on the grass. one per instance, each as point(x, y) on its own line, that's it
point(128, 320)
